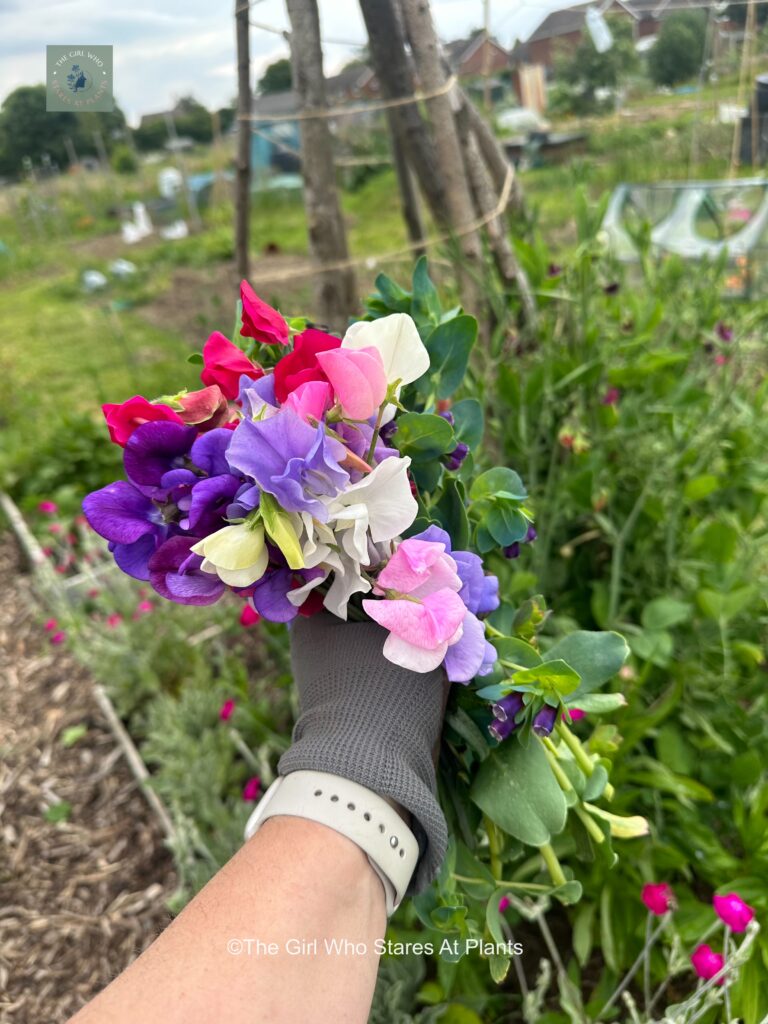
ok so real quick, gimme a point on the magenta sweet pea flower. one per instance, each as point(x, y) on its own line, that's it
point(122, 419)
point(261, 321)
point(310, 401)
point(226, 710)
point(733, 911)
point(225, 363)
point(358, 379)
point(252, 788)
point(658, 898)
point(707, 963)
point(249, 616)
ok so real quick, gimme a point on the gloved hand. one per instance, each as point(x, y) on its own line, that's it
point(365, 719)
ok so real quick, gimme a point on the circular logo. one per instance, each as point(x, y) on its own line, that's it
point(79, 81)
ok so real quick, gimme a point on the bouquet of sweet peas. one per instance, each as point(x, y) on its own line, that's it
point(314, 471)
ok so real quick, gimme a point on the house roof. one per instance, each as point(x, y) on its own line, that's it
point(459, 50)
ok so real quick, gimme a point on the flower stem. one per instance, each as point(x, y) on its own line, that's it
point(635, 966)
point(494, 846)
point(583, 760)
point(550, 751)
point(376, 429)
point(553, 864)
point(647, 962)
point(589, 824)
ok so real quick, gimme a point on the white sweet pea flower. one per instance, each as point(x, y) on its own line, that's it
point(386, 500)
point(237, 554)
point(402, 351)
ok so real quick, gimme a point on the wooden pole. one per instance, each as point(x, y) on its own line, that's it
point(243, 161)
point(335, 290)
point(409, 199)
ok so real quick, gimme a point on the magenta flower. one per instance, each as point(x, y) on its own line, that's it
point(720, 359)
point(252, 788)
point(143, 608)
point(723, 331)
point(576, 714)
point(58, 638)
point(248, 616)
point(94, 592)
point(658, 898)
point(50, 625)
point(504, 904)
point(611, 397)
point(733, 911)
point(55, 527)
point(114, 619)
point(707, 963)
point(226, 709)
point(49, 508)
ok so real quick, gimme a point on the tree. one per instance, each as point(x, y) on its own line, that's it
point(679, 49)
point(277, 77)
point(583, 71)
point(193, 119)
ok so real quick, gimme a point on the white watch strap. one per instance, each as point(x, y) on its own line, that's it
point(353, 810)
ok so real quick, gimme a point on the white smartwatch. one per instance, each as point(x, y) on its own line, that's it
point(353, 810)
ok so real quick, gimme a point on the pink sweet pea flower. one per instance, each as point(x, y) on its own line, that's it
point(50, 625)
point(504, 904)
point(358, 379)
point(249, 616)
point(260, 321)
point(733, 911)
point(58, 638)
point(252, 788)
point(659, 899)
point(422, 610)
point(205, 409)
point(226, 709)
point(123, 419)
point(225, 364)
point(707, 963)
point(49, 508)
point(312, 399)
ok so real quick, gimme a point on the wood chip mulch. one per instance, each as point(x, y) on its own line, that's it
point(79, 898)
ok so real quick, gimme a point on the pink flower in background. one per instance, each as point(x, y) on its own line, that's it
point(94, 592)
point(114, 619)
point(576, 714)
point(252, 788)
point(49, 508)
point(249, 616)
point(658, 898)
point(422, 611)
point(50, 625)
point(358, 379)
point(720, 359)
point(707, 963)
point(60, 569)
point(733, 911)
point(226, 709)
point(55, 527)
point(504, 904)
point(58, 638)
point(143, 608)
point(723, 331)
point(611, 397)
point(47, 552)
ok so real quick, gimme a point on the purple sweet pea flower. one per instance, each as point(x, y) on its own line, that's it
point(470, 656)
point(174, 572)
point(130, 521)
point(480, 592)
point(209, 502)
point(270, 596)
point(153, 450)
point(246, 500)
point(255, 394)
point(357, 437)
point(209, 451)
point(291, 460)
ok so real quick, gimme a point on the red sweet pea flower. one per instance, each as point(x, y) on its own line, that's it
point(301, 365)
point(123, 419)
point(260, 321)
point(225, 363)
point(204, 409)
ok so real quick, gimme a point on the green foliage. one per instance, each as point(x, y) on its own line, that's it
point(679, 50)
point(581, 72)
point(276, 77)
point(124, 160)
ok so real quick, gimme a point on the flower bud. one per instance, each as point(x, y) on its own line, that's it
point(457, 456)
point(501, 730)
point(544, 722)
point(508, 707)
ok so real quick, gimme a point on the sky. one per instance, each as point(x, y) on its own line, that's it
point(165, 49)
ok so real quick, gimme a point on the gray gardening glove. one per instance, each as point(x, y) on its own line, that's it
point(365, 719)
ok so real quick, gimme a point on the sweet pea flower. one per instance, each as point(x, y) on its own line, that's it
point(49, 508)
point(723, 331)
point(403, 353)
point(733, 911)
point(261, 321)
point(358, 379)
point(226, 710)
point(252, 789)
point(249, 616)
point(175, 572)
point(225, 363)
point(124, 418)
point(130, 521)
point(707, 963)
point(237, 554)
point(205, 409)
point(301, 365)
point(155, 457)
point(310, 401)
point(658, 898)
point(479, 591)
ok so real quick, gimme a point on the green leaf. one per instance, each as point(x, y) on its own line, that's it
point(582, 932)
point(453, 514)
point(427, 476)
point(597, 703)
point(596, 783)
point(58, 812)
point(597, 657)
point(664, 612)
point(506, 524)
point(449, 346)
point(656, 646)
point(423, 436)
point(718, 606)
point(499, 480)
point(426, 304)
point(517, 790)
point(468, 421)
point(71, 735)
point(701, 487)
point(554, 677)
point(195, 358)
point(469, 731)
point(484, 542)
point(397, 299)
point(517, 652)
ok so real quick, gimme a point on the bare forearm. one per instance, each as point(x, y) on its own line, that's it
point(257, 943)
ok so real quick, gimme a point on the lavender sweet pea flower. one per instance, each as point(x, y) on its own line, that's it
point(257, 397)
point(209, 503)
point(210, 450)
point(357, 437)
point(470, 656)
point(269, 596)
point(174, 572)
point(291, 460)
point(130, 521)
point(479, 592)
point(246, 500)
point(152, 451)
